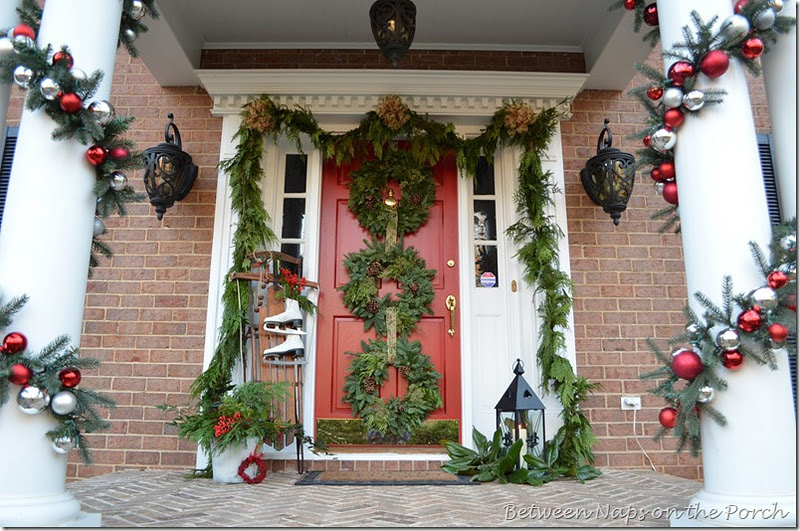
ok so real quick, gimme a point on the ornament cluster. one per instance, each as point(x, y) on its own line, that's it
point(725, 337)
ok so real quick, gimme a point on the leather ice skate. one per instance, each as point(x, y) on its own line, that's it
point(293, 346)
point(291, 317)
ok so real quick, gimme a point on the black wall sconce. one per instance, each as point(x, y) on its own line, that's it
point(608, 176)
point(393, 25)
point(169, 174)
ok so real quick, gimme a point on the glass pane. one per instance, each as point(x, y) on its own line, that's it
point(484, 178)
point(295, 174)
point(486, 266)
point(293, 214)
point(485, 227)
point(292, 249)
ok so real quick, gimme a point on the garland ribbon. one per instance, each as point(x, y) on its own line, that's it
point(391, 334)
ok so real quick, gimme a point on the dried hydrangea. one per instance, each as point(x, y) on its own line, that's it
point(258, 115)
point(393, 111)
point(518, 117)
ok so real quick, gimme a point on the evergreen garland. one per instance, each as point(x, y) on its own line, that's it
point(45, 368)
point(777, 319)
point(514, 125)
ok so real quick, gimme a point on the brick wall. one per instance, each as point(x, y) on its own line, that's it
point(146, 308)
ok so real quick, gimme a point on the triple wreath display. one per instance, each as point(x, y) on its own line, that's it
point(393, 317)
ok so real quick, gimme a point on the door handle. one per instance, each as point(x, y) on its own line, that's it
point(450, 303)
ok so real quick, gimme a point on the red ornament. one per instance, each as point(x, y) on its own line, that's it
point(667, 417)
point(656, 175)
point(71, 102)
point(673, 118)
point(655, 93)
point(667, 170)
point(63, 57)
point(778, 332)
point(96, 155)
point(714, 63)
point(646, 141)
point(749, 320)
point(737, 7)
point(752, 48)
point(630, 5)
point(651, 15)
point(791, 302)
point(731, 359)
point(24, 30)
point(680, 71)
point(19, 374)
point(119, 153)
point(670, 193)
point(15, 343)
point(777, 279)
point(69, 377)
point(687, 364)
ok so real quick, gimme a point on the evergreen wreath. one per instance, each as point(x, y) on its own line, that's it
point(368, 185)
point(54, 370)
point(398, 416)
point(381, 261)
point(766, 317)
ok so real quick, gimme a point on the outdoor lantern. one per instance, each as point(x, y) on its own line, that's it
point(520, 416)
point(169, 174)
point(608, 176)
point(393, 24)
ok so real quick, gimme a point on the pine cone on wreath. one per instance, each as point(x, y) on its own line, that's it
point(369, 203)
point(369, 385)
point(375, 269)
point(404, 370)
point(373, 307)
point(416, 199)
point(413, 288)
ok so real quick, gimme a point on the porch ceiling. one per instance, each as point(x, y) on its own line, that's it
point(172, 47)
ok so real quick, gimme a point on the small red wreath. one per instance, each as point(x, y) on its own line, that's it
point(257, 460)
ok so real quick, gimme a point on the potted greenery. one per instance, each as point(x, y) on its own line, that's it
point(234, 428)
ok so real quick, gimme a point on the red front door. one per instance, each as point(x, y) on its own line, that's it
point(339, 332)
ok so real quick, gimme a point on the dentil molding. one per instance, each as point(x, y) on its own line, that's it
point(355, 92)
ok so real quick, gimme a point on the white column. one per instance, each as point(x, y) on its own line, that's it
point(749, 464)
point(780, 79)
point(8, 19)
point(44, 253)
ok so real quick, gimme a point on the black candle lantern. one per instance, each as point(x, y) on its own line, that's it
point(393, 25)
point(608, 176)
point(520, 415)
point(169, 174)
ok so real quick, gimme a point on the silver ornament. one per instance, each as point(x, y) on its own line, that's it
point(706, 394)
point(789, 243)
point(21, 41)
point(6, 47)
point(789, 269)
point(63, 403)
point(78, 74)
point(673, 97)
point(728, 339)
point(764, 20)
point(776, 5)
point(765, 297)
point(663, 140)
point(99, 227)
point(103, 111)
point(693, 331)
point(31, 400)
point(659, 187)
point(23, 76)
point(735, 28)
point(137, 9)
point(49, 88)
point(62, 445)
point(694, 100)
point(118, 181)
point(130, 34)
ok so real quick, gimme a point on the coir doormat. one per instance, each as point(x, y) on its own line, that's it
point(382, 477)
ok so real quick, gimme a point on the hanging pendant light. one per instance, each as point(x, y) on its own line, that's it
point(393, 24)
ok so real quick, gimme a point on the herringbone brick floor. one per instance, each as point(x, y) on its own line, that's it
point(153, 498)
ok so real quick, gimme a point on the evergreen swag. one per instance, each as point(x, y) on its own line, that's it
point(45, 367)
point(778, 319)
point(429, 141)
point(81, 125)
